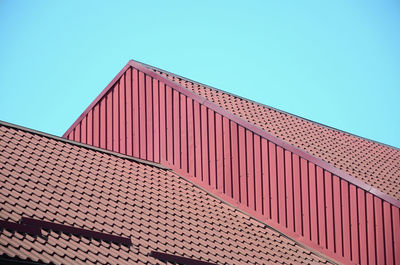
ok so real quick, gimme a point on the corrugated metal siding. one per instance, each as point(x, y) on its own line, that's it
point(144, 117)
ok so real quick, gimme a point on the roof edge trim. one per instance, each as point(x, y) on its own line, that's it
point(64, 140)
point(255, 129)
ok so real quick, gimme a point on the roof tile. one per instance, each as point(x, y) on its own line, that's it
point(78, 186)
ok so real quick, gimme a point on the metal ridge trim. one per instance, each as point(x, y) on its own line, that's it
point(64, 140)
point(255, 129)
point(266, 106)
point(178, 259)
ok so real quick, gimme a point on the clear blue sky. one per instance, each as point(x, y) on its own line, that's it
point(335, 62)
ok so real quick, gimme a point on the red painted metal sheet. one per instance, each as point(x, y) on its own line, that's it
point(242, 165)
point(250, 170)
point(136, 114)
point(388, 227)
point(289, 190)
point(109, 117)
point(354, 225)
point(149, 118)
point(305, 198)
point(337, 211)
point(115, 118)
point(320, 182)
point(122, 116)
point(345, 208)
point(163, 124)
point(227, 157)
point(281, 186)
point(129, 112)
point(190, 126)
point(142, 116)
point(176, 129)
point(265, 178)
point(219, 155)
point(370, 207)
point(183, 132)
point(235, 161)
point(257, 174)
point(313, 202)
point(298, 219)
point(204, 144)
point(156, 121)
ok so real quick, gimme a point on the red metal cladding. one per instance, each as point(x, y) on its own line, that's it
point(146, 115)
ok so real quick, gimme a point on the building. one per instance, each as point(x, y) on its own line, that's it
point(160, 167)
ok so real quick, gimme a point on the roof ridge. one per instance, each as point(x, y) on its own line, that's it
point(65, 140)
point(267, 106)
point(261, 132)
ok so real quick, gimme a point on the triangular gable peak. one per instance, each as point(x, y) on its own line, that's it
point(144, 114)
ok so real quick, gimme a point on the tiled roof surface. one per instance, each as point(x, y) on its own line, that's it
point(376, 164)
point(50, 179)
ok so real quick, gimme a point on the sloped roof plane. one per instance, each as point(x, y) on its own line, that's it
point(261, 160)
point(59, 181)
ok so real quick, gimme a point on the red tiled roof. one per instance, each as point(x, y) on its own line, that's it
point(56, 180)
point(376, 164)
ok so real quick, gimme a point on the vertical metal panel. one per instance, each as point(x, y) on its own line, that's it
point(337, 210)
point(116, 118)
point(190, 135)
point(122, 116)
point(103, 124)
point(135, 112)
point(242, 165)
point(96, 125)
point(371, 228)
point(354, 227)
point(204, 144)
point(273, 181)
point(345, 207)
point(379, 231)
point(176, 128)
point(313, 202)
point(258, 186)
point(281, 186)
point(183, 132)
point(142, 116)
point(220, 153)
point(197, 141)
point(289, 190)
point(227, 157)
point(149, 118)
point(235, 161)
point(163, 123)
point(129, 112)
point(250, 170)
point(305, 198)
point(330, 222)
point(320, 182)
point(109, 117)
point(265, 176)
point(362, 219)
point(396, 234)
point(388, 227)
point(156, 121)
